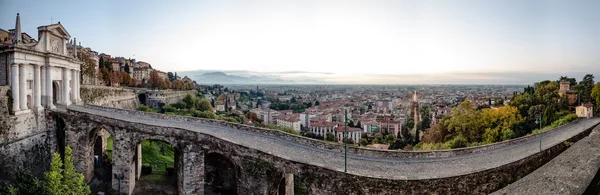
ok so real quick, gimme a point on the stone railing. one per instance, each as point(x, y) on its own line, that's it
point(571, 172)
point(336, 146)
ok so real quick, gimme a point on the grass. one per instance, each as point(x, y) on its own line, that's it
point(158, 154)
point(109, 148)
point(560, 122)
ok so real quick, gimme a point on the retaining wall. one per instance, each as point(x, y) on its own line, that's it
point(339, 147)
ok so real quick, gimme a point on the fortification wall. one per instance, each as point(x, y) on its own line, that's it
point(569, 173)
point(165, 97)
point(109, 96)
point(340, 147)
point(259, 172)
point(26, 141)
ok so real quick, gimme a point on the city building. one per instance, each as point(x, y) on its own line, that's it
point(322, 128)
point(352, 133)
point(585, 110)
point(289, 120)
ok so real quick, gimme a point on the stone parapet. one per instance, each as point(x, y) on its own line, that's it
point(109, 96)
point(569, 173)
point(340, 147)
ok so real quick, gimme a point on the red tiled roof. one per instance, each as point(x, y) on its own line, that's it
point(349, 129)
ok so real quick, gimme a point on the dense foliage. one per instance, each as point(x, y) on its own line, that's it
point(60, 179)
point(536, 106)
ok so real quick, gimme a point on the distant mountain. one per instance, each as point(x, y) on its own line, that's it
point(223, 78)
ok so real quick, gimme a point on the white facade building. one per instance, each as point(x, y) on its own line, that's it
point(42, 73)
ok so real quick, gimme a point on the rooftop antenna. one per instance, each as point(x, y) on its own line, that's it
point(51, 21)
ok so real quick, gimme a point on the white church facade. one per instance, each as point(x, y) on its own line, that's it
point(42, 74)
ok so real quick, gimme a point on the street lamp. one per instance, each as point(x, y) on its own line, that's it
point(538, 120)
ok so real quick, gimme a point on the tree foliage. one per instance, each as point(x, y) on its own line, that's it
point(596, 94)
point(60, 179)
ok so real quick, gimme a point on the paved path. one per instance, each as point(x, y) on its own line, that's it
point(378, 167)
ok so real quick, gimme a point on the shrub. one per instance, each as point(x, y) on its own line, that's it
point(457, 142)
point(330, 137)
point(363, 141)
point(145, 108)
point(169, 108)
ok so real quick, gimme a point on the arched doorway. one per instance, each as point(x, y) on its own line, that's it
point(99, 159)
point(29, 104)
point(281, 188)
point(142, 98)
point(56, 95)
point(220, 175)
point(156, 165)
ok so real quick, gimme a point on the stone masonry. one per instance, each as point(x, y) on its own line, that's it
point(26, 141)
point(259, 172)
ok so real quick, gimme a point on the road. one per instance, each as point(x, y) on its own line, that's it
point(378, 167)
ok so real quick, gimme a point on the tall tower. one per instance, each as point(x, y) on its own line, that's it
point(415, 96)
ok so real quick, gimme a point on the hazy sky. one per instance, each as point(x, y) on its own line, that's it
point(347, 37)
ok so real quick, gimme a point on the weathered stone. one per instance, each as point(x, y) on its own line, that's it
point(259, 172)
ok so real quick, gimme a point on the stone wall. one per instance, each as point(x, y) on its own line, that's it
point(109, 96)
point(258, 172)
point(158, 98)
point(340, 147)
point(4, 69)
point(569, 173)
point(26, 141)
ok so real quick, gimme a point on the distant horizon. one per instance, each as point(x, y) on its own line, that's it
point(497, 41)
point(524, 79)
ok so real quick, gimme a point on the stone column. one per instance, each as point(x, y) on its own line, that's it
point(190, 172)
point(65, 82)
point(43, 85)
point(139, 161)
point(37, 91)
point(15, 87)
point(122, 165)
point(78, 86)
point(49, 91)
point(289, 184)
point(22, 87)
point(73, 87)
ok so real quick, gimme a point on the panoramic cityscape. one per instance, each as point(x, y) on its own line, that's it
point(299, 97)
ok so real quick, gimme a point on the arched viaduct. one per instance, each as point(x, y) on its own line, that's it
point(259, 163)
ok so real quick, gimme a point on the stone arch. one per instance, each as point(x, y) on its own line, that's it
point(281, 186)
point(220, 174)
point(143, 98)
point(98, 154)
point(167, 172)
point(29, 103)
point(56, 93)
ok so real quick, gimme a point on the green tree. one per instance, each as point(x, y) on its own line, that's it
point(73, 180)
point(330, 137)
point(586, 86)
point(101, 63)
point(127, 70)
point(389, 138)
point(24, 183)
point(397, 144)
point(63, 179)
point(171, 76)
point(596, 94)
point(363, 141)
point(54, 177)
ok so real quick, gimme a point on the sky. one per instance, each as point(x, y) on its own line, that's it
point(357, 41)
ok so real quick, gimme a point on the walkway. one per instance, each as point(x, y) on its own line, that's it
point(390, 168)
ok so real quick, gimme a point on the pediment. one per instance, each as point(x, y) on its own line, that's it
point(57, 30)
